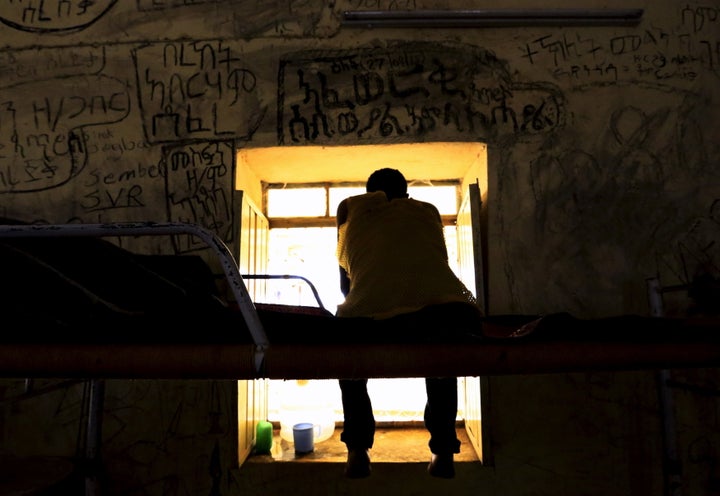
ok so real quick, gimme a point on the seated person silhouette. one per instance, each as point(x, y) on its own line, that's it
point(394, 264)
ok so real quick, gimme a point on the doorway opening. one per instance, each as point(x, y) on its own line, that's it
point(300, 190)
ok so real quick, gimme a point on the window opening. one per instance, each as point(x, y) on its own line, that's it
point(310, 252)
point(334, 168)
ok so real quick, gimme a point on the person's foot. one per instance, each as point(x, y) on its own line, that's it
point(442, 466)
point(358, 464)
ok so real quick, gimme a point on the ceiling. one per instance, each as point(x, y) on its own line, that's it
point(303, 164)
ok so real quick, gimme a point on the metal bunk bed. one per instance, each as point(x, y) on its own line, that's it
point(248, 340)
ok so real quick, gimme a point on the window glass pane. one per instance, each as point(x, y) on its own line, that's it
point(443, 197)
point(310, 202)
point(296, 202)
point(340, 193)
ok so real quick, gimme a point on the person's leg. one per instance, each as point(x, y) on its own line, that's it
point(440, 418)
point(358, 431)
point(359, 426)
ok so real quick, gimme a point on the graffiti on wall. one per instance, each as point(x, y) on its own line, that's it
point(407, 91)
point(51, 16)
point(284, 18)
point(194, 90)
point(42, 136)
point(59, 123)
point(197, 178)
point(616, 202)
point(653, 54)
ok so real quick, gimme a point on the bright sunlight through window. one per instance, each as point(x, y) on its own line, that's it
point(310, 252)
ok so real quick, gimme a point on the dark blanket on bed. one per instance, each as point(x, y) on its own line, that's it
point(89, 290)
point(80, 289)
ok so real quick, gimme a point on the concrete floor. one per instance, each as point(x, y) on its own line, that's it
point(399, 468)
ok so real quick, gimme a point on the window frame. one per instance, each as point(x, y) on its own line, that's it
point(328, 220)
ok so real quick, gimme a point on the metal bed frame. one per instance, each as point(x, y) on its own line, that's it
point(623, 343)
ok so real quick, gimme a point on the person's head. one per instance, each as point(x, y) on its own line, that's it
point(391, 181)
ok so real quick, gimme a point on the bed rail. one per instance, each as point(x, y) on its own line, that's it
point(307, 281)
point(218, 247)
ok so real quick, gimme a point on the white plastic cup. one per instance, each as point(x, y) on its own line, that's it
point(304, 437)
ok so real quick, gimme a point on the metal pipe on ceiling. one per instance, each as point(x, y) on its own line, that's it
point(490, 18)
